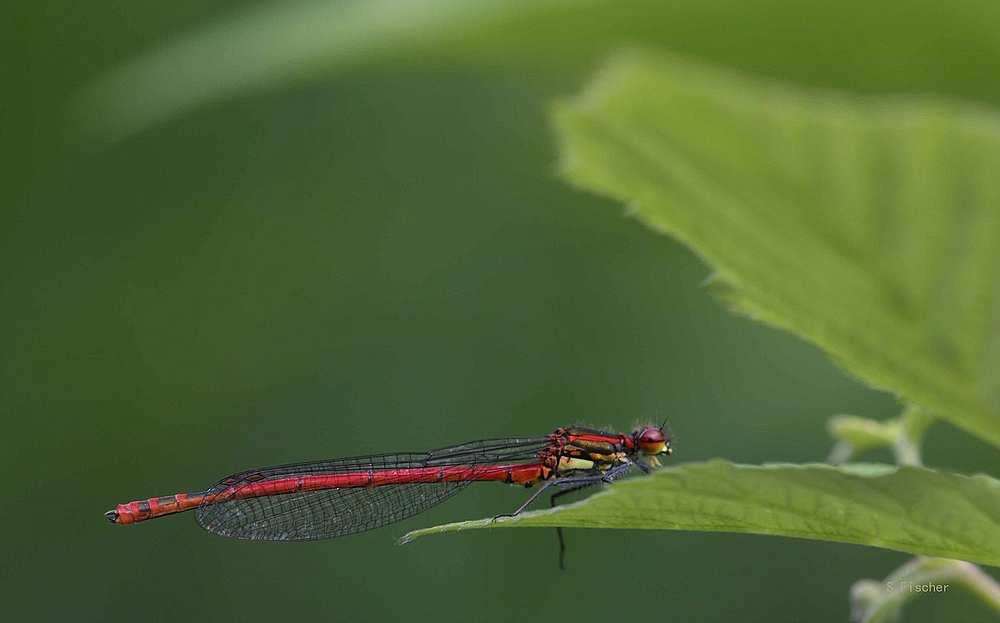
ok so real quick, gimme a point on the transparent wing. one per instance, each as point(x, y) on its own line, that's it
point(333, 512)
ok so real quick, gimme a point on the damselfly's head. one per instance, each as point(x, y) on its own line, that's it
point(652, 440)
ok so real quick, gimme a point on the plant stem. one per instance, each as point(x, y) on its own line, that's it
point(910, 434)
point(903, 434)
point(878, 602)
point(874, 602)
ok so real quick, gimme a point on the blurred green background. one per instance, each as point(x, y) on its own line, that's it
point(383, 261)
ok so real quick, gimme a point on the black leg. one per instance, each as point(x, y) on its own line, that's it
point(645, 468)
point(607, 477)
point(559, 530)
point(583, 485)
point(572, 483)
point(548, 484)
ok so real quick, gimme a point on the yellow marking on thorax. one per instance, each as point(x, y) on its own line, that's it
point(568, 462)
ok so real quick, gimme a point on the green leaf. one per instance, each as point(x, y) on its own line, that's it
point(869, 226)
point(911, 509)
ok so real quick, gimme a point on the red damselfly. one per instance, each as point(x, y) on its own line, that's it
point(326, 499)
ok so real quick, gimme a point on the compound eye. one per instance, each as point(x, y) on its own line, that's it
point(652, 441)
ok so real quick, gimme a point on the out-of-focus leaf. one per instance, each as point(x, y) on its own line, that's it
point(285, 42)
point(871, 227)
point(282, 43)
point(911, 509)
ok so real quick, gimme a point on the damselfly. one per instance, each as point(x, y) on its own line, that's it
point(325, 499)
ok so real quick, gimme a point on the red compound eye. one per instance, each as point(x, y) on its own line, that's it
point(652, 441)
